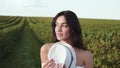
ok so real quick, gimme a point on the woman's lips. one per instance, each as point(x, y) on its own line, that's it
point(59, 34)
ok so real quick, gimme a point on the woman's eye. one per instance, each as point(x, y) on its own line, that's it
point(65, 25)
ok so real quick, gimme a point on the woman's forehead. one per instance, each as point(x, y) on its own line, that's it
point(61, 19)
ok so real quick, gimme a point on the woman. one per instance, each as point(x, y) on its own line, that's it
point(66, 28)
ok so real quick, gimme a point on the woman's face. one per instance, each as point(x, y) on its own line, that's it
point(62, 30)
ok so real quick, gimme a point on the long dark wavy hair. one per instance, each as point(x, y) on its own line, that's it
point(75, 28)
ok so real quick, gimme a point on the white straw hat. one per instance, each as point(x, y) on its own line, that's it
point(63, 53)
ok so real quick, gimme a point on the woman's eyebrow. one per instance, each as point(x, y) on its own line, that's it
point(61, 23)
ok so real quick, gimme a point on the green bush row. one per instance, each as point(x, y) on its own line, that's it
point(42, 30)
point(11, 22)
point(9, 36)
point(7, 20)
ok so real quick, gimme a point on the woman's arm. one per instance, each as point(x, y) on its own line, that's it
point(44, 59)
point(88, 60)
point(43, 53)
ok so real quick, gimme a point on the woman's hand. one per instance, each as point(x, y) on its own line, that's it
point(51, 64)
point(60, 66)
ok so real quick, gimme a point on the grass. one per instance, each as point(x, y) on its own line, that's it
point(26, 52)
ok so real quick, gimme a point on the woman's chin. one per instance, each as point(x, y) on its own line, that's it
point(59, 38)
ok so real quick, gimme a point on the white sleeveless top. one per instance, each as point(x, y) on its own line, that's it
point(75, 67)
point(79, 67)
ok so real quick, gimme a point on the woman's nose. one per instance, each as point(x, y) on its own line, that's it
point(59, 28)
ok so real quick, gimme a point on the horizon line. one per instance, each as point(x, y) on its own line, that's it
point(53, 16)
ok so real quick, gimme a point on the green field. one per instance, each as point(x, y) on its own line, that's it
point(22, 37)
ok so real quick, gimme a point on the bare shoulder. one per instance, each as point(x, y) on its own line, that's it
point(46, 47)
point(88, 59)
point(87, 53)
point(44, 51)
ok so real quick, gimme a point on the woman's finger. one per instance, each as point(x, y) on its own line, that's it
point(48, 64)
point(59, 65)
point(53, 64)
point(64, 66)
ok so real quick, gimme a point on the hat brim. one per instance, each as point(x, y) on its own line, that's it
point(62, 53)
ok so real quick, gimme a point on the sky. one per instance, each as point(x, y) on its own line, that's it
point(100, 9)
